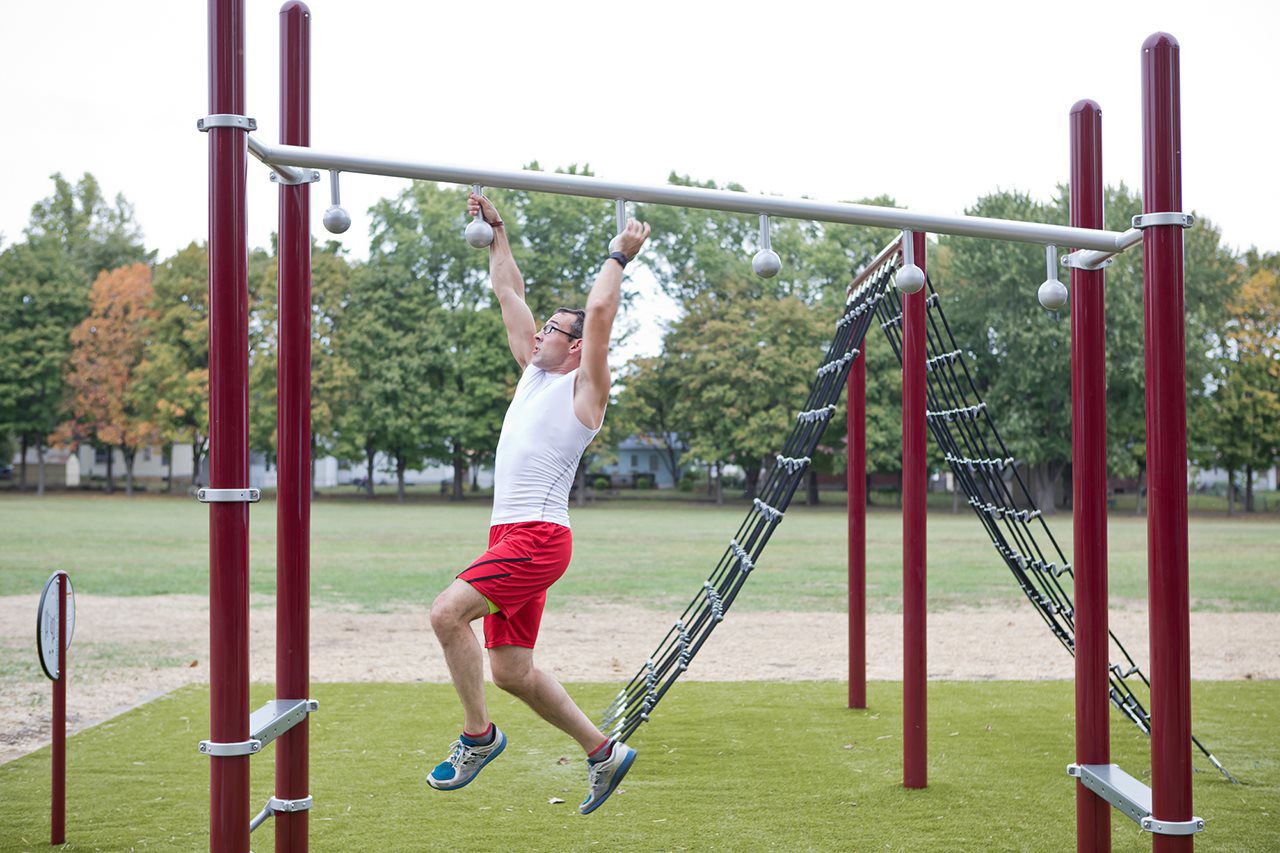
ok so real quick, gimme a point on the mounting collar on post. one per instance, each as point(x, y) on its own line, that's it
point(305, 176)
point(1148, 220)
point(204, 125)
point(1074, 261)
point(244, 747)
point(206, 496)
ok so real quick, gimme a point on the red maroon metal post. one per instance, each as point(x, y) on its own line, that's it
point(293, 430)
point(914, 484)
point(228, 433)
point(58, 810)
point(856, 450)
point(1166, 443)
point(1089, 482)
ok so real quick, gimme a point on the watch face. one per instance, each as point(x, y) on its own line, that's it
point(47, 622)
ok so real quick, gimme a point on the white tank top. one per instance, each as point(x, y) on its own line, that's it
point(538, 451)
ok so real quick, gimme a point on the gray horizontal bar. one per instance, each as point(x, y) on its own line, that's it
point(278, 156)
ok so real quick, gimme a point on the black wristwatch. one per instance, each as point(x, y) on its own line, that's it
point(620, 258)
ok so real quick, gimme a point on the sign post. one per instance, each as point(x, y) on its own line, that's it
point(55, 623)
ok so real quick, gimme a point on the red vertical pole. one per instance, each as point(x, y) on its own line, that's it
point(856, 468)
point(58, 812)
point(1166, 443)
point(914, 484)
point(1089, 482)
point(228, 433)
point(293, 428)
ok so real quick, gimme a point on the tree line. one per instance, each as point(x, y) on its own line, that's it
point(101, 343)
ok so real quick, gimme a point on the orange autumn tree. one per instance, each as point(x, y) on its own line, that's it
point(102, 377)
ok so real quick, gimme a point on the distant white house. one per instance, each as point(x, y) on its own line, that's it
point(1216, 478)
point(643, 457)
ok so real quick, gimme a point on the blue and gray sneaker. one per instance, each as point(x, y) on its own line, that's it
point(603, 776)
point(466, 759)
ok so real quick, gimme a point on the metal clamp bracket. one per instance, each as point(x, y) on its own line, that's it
point(305, 176)
point(244, 747)
point(274, 805)
point(1148, 220)
point(1131, 797)
point(1075, 260)
point(208, 496)
point(204, 125)
point(278, 805)
point(1172, 827)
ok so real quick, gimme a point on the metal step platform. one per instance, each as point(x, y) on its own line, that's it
point(1131, 797)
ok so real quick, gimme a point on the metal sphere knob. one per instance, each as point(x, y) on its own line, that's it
point(337, 220)
point(1052, 294)
point(910, 279)
point(479, 233)
point(766, 263)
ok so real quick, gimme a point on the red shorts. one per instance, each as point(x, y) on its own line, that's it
point(524, 559)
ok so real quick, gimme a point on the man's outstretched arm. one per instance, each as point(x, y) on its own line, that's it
point(591, 394)
point(508, 284)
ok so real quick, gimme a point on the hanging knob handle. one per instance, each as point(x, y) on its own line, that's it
point(336, 219)
point(1053, 293)
point(766, 262)
point(478, 233)
point(909, 278)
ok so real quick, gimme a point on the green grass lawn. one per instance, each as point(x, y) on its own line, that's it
point(742, 766)
point(370, 553)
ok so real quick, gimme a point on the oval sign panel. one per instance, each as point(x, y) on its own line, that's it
point(47, 622)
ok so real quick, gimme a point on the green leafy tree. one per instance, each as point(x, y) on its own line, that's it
point(390, 328)
point(95, 233)
point(42, 298)
point(1237, 427)
point(331, 275)
point(174, 373)
point(71, 236)
point(1021, 353)
point(745, 364)
point(651, 394)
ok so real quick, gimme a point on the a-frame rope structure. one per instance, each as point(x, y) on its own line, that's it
point(988, 474)
point(964, 430)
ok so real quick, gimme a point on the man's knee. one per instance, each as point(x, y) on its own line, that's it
point(515, 677)
point(448, 614)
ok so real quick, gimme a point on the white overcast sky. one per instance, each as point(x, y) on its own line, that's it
point(932, 103)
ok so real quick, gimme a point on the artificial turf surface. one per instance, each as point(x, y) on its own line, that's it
point(722, 766)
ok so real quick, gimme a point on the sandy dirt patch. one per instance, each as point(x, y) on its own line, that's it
point(129, 650)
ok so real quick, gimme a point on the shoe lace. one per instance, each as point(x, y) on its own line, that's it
point(593, 773)
point(462, 755)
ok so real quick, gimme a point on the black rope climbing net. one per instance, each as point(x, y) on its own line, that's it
point(985, 471)
point(636, 701)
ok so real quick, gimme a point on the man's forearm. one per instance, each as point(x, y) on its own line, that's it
point(504, 275)
point(606, 293)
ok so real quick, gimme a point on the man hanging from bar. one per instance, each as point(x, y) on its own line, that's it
point(557, 410)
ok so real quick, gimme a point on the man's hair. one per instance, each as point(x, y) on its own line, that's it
point(579, 317)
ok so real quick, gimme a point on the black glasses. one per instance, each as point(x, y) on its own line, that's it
point(552, 327)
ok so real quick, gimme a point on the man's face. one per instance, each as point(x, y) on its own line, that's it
point(555, 344)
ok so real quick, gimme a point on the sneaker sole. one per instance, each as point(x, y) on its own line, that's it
point(483, 764)
point(617, 779)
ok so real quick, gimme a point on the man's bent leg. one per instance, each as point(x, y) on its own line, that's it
point(514, 672)
point(451, 616)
